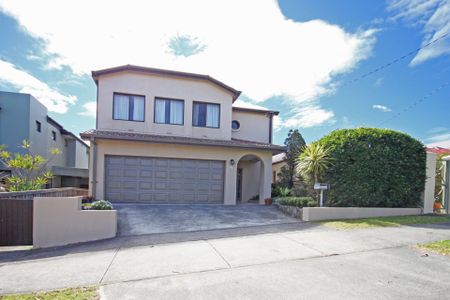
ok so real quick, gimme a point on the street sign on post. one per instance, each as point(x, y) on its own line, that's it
point(322, 187)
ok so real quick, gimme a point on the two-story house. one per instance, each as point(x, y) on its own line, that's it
point(173, 137)
point(22, 117)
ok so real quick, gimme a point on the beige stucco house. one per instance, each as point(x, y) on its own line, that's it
point(173, 137)
point(278, 162)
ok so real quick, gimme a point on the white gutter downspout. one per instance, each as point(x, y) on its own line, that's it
point(94, 167)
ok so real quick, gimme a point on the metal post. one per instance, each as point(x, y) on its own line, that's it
point(446, 196)
point(321, 198)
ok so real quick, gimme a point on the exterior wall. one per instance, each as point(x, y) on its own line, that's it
point(336, 213)
point(428, 195)
point(105, 147)
point(14, 127)
point(60, 221)
point(254, 126)
point(38, 140)
point(60, 143)
point(71, 153)
point(250, 179)
point(152, 86)
point(81, 155)
point(277, 169)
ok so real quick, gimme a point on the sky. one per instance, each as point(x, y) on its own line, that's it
point(324, 65)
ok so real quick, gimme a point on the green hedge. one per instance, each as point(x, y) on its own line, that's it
point(296, 201)
point(374, 168)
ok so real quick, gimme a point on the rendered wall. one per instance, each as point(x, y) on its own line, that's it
point(254, 126)
point(250, 179)
point(152, 86)
point(105, 147)
point(277, 169)
point(60, 221)
point(336, 213)
point(14, 127)
point(428, 194)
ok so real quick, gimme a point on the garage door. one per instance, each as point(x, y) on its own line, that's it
point(163, 180)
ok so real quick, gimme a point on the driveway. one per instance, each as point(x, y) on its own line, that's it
point(138, 219)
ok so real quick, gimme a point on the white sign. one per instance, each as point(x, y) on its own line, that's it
point(320, 186)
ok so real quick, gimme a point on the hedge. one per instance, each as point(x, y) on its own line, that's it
point(374, 168)
point(297, 201)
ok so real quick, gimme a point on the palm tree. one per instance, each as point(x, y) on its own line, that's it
point(314, 161)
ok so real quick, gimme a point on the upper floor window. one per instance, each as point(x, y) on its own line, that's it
point(206, 115)
point(54, 135)
point(128, 107)
point(169, 111)
point(38, 126)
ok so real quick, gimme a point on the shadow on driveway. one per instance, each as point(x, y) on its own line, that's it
point(202, 222)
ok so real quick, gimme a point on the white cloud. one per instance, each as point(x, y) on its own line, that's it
point(433, 16)
point(440, 138)
point(436, 130)
point(90, 109)
point(26, 83)
point(277, 123)
point(381, 108)
point(249, 45)
point(308, 114)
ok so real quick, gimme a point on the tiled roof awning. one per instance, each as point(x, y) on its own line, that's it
point(164, 139)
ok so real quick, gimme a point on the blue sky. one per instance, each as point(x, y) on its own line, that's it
point(297, 57)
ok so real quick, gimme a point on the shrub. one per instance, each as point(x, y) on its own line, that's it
point(280, 191)
point(374, 168)
point(297, 201)
point(101, 205)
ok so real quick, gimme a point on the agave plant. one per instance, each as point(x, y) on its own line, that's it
point(313, 162)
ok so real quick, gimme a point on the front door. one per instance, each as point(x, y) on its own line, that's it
point(239, 185)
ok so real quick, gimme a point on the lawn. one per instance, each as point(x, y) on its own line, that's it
point(88, 293)
point(441, 247)
point(385, 222)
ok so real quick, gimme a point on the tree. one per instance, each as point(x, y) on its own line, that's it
point(294, 146)
point(313, 162)
point(28, 171)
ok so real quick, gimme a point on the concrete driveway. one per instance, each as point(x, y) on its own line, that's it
point(138, 219)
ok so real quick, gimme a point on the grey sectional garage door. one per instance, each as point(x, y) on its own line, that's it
point(163, 180)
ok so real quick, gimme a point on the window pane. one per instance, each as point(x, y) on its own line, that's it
point(196, 114)
point(200, 114)
point(138, 108)
point(212, 115)
point(176, 112)
point(160, 111)
point(121, 107)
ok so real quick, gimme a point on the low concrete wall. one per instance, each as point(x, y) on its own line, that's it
point(55, 192)
point(336, 213)
point(60, 221)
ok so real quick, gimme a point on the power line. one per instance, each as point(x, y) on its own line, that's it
point(415, 103)
point(394, 61)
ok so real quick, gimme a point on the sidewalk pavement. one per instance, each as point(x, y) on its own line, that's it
point(248, 266)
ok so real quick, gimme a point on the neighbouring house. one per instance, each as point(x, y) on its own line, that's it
point(438, 150)
point(173, 137)
point(22, 117)
point(278, 161)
